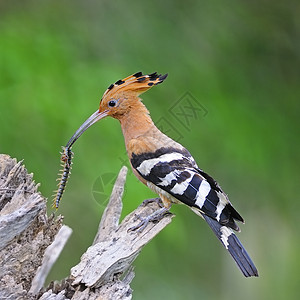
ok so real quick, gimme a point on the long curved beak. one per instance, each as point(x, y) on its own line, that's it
point(96, 116)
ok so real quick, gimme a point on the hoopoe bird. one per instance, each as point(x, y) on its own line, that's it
point(165, 166)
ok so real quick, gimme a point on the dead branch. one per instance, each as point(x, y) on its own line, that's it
point(30, 243)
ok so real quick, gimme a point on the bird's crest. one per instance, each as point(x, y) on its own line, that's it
point(136, 83)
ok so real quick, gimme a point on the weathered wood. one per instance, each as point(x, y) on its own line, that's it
point(32, 245)
point(50, 256)
point(25, 229)
point(112, 213)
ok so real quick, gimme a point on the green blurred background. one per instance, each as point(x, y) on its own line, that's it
point(238, 59)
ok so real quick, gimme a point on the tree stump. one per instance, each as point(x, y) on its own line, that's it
point(30, 243)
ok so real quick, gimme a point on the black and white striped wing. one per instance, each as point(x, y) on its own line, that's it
point(175, 172)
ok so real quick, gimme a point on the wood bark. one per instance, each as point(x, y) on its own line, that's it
point(31, 242)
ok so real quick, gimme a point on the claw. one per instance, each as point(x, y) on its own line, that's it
point(156, 200)
point(154, 217)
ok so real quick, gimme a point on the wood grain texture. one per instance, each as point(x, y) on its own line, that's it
point(25, 229)
point(31, 242)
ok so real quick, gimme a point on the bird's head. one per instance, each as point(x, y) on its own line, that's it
point(119, 98)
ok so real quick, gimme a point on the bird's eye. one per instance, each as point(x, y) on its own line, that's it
point(112, 103)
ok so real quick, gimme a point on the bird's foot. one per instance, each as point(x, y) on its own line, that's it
point(156, 200)
point(154, 217)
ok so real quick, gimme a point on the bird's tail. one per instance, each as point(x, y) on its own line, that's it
point(234, 246)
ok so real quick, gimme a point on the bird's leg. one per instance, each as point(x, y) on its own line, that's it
point(156, 200)
point(155, 216)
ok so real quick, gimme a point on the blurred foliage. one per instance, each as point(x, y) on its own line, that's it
point(239, 59)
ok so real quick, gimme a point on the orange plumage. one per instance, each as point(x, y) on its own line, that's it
point(165, 166)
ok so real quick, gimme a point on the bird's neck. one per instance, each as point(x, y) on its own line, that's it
point(136, 122)
point(140, 133)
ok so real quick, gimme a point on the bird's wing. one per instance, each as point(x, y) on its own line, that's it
point(175, 171)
